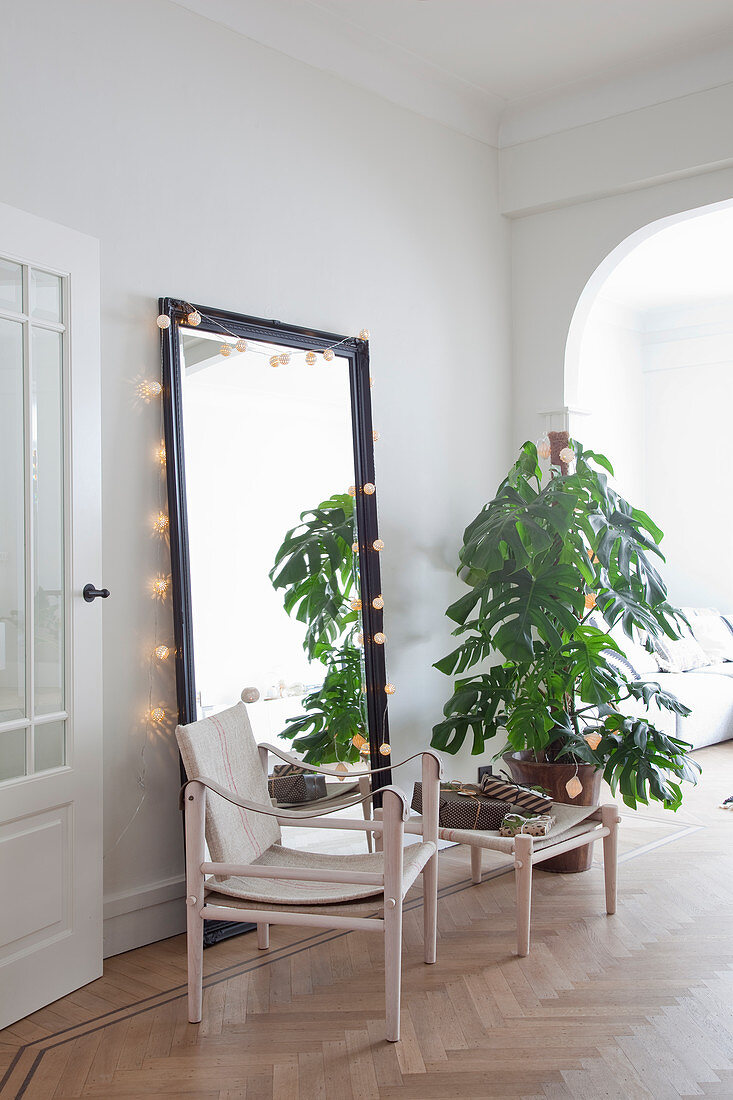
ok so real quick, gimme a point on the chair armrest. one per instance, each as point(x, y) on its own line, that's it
point(271, 811)
point(288, 758)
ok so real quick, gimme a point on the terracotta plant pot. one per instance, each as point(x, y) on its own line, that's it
point(553, 777)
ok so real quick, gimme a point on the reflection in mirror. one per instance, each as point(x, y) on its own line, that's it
point(273, 543)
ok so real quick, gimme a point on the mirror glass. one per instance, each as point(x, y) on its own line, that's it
point(274, 576)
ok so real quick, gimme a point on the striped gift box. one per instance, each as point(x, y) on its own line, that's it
point(523, 798)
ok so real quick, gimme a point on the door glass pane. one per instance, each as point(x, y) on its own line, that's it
point(45, 296)
point(48, 746)
point(11, 286)
point(48, 487)
point(12, 524)
point(12, 754)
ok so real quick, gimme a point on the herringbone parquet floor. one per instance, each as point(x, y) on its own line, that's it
point(635, 1005)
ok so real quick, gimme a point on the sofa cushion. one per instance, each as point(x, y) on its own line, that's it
point(712, 632)
point(683, 654)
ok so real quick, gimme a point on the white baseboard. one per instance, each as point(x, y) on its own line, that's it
point(143, 915)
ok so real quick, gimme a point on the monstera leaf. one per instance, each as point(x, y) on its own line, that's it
point(546, 602)
point(315, 567)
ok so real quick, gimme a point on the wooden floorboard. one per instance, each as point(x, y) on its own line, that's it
point(639, 1005)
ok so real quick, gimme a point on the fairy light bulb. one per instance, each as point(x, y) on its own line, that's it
point(385, 749)
point(574, 787)
point(352, 490)
point(360, 639)
point(163, 321)
point(390, 689)
point(274, 360)
point(225, 350)
point(355, 547)
point(310, 358)
point(364, 750)
point(159, 588)
point(543, 446)
point(375, 435)
point(341, 767)
point(370, 488)
point(160, 454)
point(241, 345)
point(590, 601)
point(358, 741)
point(284, 358)
point(378, 603)
point(194, 318)
point(160, 523)
point(566, 455)
point(149, 388)
point(328, 354)
point(380, 638)
point(593, 740)
point(162, 652)
point(355, 605)
point(364, 334)
point(157, 714)
point(377, 545)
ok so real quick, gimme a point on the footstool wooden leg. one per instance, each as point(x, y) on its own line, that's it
point(476, 854)
point(610, 820)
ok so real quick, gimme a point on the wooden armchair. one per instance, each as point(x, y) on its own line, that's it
point(254, 878)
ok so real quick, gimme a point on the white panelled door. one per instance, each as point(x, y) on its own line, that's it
point(50, 637)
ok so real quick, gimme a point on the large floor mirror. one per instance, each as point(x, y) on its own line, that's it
point(274, 540)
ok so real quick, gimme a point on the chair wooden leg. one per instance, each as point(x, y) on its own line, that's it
point(476, 854)
point(430, 909)
point(523, 876)
point(610, 820)
point(195, 950)
point(393, 838)
point(393, 969)
point(263, 936)
point(195, 814)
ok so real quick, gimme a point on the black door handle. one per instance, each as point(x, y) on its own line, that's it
point(89, 592)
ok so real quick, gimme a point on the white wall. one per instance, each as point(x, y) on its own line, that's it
point(688, 382)
point(611, 393)
point(219, 171)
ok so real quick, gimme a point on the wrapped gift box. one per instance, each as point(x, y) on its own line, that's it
point(526, 800)
point(289, 783)
point(467, 810)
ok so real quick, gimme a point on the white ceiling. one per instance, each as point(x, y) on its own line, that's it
point(470, 63)
point(682, 265)
point(516, 48)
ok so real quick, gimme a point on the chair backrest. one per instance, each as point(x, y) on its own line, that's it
point(223, 748)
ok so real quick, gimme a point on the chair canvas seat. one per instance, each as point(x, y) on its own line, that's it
point(295, 892)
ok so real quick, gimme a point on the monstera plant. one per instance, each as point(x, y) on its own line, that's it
point(552, 563)
point(317, 571)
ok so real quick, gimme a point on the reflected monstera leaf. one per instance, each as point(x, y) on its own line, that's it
point(317, 571)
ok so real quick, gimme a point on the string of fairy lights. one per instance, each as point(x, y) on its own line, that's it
point(159, 585)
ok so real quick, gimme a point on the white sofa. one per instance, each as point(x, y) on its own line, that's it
point(707, 688)
point(708, 692)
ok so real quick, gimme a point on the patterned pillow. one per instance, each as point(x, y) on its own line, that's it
point(634, 661)
point(681, 655)
point(712, 631)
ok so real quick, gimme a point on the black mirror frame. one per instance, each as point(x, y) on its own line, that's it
point(356, 351)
